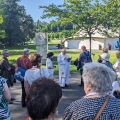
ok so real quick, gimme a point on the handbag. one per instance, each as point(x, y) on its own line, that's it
point(102, 108)
point(20, 73)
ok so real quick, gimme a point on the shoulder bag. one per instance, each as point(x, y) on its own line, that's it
point(20, 73)
point(102, 108)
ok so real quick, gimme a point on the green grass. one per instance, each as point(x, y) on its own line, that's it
point(16, 52)
point(54, 42)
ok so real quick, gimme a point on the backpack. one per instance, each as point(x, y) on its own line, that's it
point(88, 59)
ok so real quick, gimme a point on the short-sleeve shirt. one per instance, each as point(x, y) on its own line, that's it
point(4, 110)
point(32, 75)
point(49, 64)
point(117, 64)
point(115, 85)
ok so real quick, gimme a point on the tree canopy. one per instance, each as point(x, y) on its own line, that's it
point(18, 26)
point(55, 29)
point(88, 15)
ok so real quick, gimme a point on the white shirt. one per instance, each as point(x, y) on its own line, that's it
point(117, 64)
point(49, 64)
point(115, 85)
point(32, 75)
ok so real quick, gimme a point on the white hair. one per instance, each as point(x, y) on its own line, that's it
point(4, 51)
point(98, 76)
point(26, 51)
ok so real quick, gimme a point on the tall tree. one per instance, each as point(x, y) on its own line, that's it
point(2, 25)
point(13, 13)
point(28, 27)
point(88, 15)
point(114, 21)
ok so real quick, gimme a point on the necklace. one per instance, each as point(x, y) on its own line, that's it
point(93, 93)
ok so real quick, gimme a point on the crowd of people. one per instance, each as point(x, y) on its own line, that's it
point(41, 94)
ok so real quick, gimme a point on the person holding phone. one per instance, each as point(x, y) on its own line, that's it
point(49, 65)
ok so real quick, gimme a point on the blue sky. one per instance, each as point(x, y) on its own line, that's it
point(32, 7)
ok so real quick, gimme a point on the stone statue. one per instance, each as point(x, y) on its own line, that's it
point(39, 40)
point(41, 44)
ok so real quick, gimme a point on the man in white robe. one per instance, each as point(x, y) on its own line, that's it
point(64, 71)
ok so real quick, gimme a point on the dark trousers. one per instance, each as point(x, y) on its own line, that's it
point(7, 74)
point(81, 72)
point(23, 94)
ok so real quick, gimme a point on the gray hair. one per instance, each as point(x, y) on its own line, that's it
point(83, 47)
point(98, 76)
point(4, 51)
point(26, 51)
point(105, 50)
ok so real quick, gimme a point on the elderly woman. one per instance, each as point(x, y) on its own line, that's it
point(42, 99)
point(105, 55)
point(98, 80)
point(35, 72)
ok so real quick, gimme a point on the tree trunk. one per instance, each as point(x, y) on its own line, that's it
point(10, 42)
point(90, 41)
point(119, 41)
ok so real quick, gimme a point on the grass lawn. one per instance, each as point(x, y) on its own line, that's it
point(54, 42)
point(16, 52)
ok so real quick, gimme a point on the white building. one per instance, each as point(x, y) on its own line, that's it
point(98, 41)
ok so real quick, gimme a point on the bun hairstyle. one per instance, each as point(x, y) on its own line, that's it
point(50, 54)
point(35, 59)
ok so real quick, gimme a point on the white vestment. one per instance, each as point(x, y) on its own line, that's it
point(64, 71)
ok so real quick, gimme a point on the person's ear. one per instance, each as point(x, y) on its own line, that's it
point(52, 114)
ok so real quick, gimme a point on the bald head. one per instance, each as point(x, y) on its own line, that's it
point(64, 51)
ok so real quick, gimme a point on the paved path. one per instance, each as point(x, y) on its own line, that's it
point(73, 92)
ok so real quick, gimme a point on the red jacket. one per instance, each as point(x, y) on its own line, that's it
point(24, 63)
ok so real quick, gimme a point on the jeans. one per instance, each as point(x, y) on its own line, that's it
point(81, 72)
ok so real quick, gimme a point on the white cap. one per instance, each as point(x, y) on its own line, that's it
point(105, 56)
